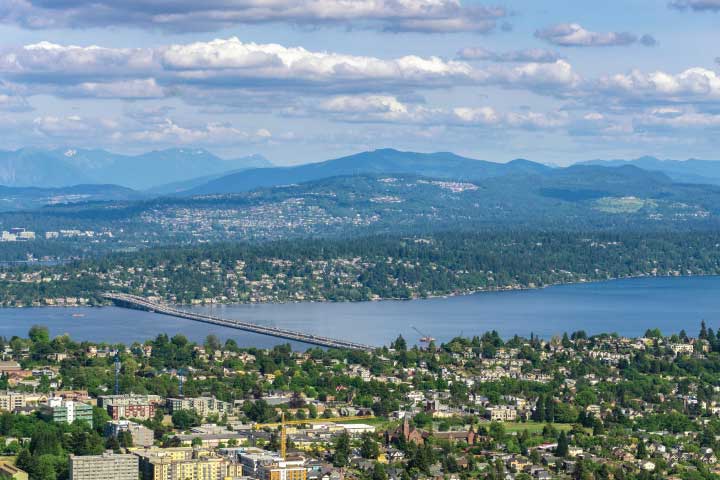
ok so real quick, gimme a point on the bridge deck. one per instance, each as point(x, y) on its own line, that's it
point(122, 299)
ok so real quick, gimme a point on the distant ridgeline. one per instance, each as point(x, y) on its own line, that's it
point(365, 268)
point(380, 192)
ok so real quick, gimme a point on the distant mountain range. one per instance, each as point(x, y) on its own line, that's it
point(519, 186)
point(65, 167)
point(384, 161)
point(579, 197)
point(689, 171)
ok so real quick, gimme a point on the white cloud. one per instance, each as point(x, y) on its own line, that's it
point(558, 77)
point(11, 102)
point(125, 89)
point(230, 64)
point(168, 133)
point(692, 85)
point(72, 61)
point(574, 35)
point(232, 59)
point(532, 55)
point(389, 109)
point(676, 119)
point(697, 5)
point(72, 126)
point(182, 15)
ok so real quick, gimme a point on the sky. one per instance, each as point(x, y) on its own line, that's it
point(307, 80)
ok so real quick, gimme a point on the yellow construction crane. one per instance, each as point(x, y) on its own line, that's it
point(284, 423)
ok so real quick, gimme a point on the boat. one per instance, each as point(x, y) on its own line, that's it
point(78, 315)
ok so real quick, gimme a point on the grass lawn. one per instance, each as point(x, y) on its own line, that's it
point(533, 427)
point(376, 421)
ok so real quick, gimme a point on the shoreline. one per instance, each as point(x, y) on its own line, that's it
point(507, 289)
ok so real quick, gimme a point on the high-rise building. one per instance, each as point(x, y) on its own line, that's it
point(60, 410)
point(108, 466)
point(185, 463)
point(141, 435)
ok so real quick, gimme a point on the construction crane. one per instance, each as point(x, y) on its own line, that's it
point(181, 379)
point(117, 373)
point(424, 338)
point(284, 423)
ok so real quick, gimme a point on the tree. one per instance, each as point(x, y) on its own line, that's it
point(369, 447)
point(379, 472)
point(125, 439)
point(44, 468)
point(100, 418)
point(341, 454)
point(184, 419)
point(400, 344)
point(84, 442)
point(39, 334)
point(45, 440)
point(562, 445)
point(641, 449)
point(538, 415)
point(212, 343)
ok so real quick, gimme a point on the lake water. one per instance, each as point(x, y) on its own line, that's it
point(628, 307)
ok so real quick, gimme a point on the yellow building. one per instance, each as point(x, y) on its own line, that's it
point(9, 470)
point(265, 465)
point(185, 463)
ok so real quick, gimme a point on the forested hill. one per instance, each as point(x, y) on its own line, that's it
point(444, 165)
point(367, 268)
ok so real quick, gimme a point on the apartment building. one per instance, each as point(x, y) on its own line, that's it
point(141, 435)
point(266, 465)
point(130, 406)
point(203, 406)
point(185, 463)
point(66, 411)
point(108, 466)
point(502, 413)
point(12, 401)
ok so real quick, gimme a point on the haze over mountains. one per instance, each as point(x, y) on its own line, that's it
point(67, 167)
point(34, 178)
point(690, 171)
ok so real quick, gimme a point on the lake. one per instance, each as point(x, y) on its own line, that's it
point(628, 307)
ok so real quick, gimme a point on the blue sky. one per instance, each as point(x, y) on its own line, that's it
point(307, 80)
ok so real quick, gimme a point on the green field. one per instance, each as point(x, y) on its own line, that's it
point(533, 427)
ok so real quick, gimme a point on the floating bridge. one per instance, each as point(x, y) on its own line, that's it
point(140, 303)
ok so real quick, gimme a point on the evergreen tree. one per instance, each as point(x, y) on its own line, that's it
point(369, 447)
point(703, 335)
point(341, 452)
point(562, 445)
